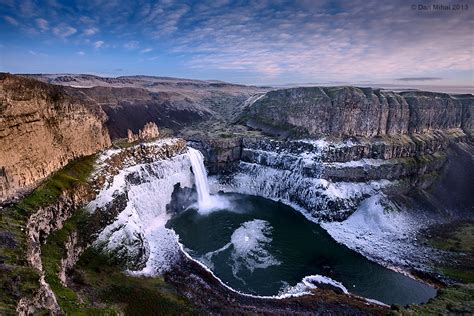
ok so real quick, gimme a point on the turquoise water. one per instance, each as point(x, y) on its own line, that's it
point(262, 247)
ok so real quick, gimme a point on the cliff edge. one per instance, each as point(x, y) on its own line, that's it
point(352, 111)
point(42, 128)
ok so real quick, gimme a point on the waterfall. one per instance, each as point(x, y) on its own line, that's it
point(200, 177)
point(206, 202)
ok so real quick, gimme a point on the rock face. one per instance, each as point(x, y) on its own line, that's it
point(42, 128)
point(221, 155)
point(171, 103)
point(150, 131)
point(350, 111)
point(50, 218)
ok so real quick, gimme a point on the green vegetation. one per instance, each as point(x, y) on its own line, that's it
point(122, 143)
point(104, 281)
point(103, 288)
point(73, 174)
point(17, 279)
point(457, 238)
point(51, 254)
point(456, 299)
point(460, 240)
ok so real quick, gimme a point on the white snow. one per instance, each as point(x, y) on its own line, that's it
point(292, 187)
point(382, 232)
point(145, 214)
point(361, 163)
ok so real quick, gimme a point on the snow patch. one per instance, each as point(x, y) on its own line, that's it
point(382, 232)
point(148, 188)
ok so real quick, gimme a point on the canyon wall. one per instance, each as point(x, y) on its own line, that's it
point(171, 103)
point(42, 128)
point(49, 218)
point(351, 111)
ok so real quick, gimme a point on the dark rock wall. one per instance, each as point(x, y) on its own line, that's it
point(350, 111)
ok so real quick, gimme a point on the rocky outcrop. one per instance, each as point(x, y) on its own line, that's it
point(40, 224)
point(221, 155)
point(139, 185)
point(351, 111)
point(52, 217)
point(150, 131)
point(42, 128)
point(74, 248)
point(43, 299)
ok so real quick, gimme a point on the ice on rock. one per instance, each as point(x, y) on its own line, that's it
point(383, 233)
point(148, 188)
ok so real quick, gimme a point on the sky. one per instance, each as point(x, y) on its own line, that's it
point(250, 42)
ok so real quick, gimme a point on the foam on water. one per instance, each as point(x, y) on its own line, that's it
point(311, 282)
point(248, 243)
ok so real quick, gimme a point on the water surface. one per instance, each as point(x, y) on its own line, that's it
point(261, 247)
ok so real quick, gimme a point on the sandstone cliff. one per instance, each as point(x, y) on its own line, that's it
point(42, 128)
point(350, 111)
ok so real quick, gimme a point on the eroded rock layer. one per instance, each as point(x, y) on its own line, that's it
point(42, 128)
point(351, 111)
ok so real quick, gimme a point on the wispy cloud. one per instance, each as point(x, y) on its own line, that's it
point(419, 79)
point(42, 24)
point(35, 53)
point(81, 53)
point(11, 20)
point(317, 40)
point(64, 30)
point(90, 31)
point(99, 44)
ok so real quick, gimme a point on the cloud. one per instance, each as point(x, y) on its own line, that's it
point(271, 41)
point(35, 53)
point(10, 20)
point(355, 41)
point(419, 79)
point(90, 31)
point(42, 24)
point(81, 53)
point(64, 30)
point(131, 45)
point(99, 44)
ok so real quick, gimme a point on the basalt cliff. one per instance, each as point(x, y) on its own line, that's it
point(42, 128)
point(349, 111)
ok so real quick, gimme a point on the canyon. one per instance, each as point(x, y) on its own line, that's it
point(371, 167)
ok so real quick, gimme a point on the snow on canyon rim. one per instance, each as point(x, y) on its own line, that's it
point(244, 252)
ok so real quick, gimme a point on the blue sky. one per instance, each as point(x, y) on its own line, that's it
point(253, 42)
